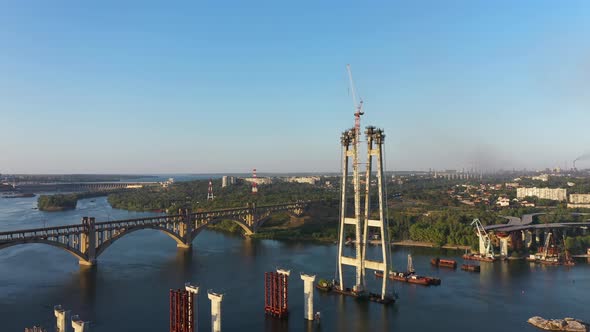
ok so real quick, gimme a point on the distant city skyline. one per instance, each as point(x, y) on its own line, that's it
point(142, 88)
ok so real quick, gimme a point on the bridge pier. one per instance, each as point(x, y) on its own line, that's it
point(79, 325)
point(308, 296)
point(62, 319)
point(504, 245)
point(215, 311)
point(528, 238)
point(186, 231)
point(88, 242)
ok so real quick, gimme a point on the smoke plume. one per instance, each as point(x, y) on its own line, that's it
point(585, 156)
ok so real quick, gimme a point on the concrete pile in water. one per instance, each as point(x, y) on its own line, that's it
point(566, 324)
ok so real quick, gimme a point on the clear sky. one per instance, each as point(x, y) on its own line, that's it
point(219, 86)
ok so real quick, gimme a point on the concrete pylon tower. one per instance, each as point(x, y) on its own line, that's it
point(375, 138)
point(349, 140)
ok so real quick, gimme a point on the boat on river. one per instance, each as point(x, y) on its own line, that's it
point(479, 257)
point(410, 276)
point(444, 263)
point(333, 287)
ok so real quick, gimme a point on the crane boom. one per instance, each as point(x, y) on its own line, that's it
point(358, 108)
point(352, 89)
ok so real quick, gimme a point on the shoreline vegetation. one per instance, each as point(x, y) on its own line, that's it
point(420, 213)
point(425, 215)
point(63, 202)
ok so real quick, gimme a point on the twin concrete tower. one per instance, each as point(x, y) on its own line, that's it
point(364, 222)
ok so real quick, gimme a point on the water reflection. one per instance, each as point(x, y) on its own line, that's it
point(248, 248)
point(87, 277)
point(272, 324)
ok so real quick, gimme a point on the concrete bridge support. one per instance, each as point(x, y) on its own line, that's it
point(482, 246)
point(195, 290)
point(186, 231)
point(528, 238)
point(62, 319)
point(308, 296)
point(215, 311)
point(79, 325)
point(88, 241)
point(504, 246)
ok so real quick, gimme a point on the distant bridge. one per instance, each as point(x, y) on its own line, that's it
point(90, 239)
point(518, 224)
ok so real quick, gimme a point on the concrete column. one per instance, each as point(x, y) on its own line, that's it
point(215, 311)
point(286, 273)
point(504, 246)
point(307, 296)
point(195, 290)
point(528, 238)
point(62, 319)
point(80, 325)
point(482, 246)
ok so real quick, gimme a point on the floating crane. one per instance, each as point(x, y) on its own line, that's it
point(485, 243)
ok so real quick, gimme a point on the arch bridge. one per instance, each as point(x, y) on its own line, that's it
point(88, 240)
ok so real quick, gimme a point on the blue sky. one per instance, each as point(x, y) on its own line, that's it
point(144, 87)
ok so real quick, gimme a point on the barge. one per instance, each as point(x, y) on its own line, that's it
point(410, 278)
point(444, 263)
point(478, 257)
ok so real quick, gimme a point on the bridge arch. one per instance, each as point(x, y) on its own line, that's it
point(73, 251)
point(104, 245)
point(247, 230)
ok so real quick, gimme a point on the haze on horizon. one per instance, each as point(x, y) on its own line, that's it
point(138, 87)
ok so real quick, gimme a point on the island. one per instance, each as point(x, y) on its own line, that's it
point(62, 202)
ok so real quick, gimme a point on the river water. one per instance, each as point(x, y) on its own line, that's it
point(128, 290)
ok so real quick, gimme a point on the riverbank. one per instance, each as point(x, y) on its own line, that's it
point(410, 243)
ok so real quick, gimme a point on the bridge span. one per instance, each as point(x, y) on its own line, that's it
point(88, 240)
point(526, 222)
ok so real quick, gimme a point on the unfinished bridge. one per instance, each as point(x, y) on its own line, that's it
point(90, 239)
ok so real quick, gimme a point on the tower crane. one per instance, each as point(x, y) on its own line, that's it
point(358, 107)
